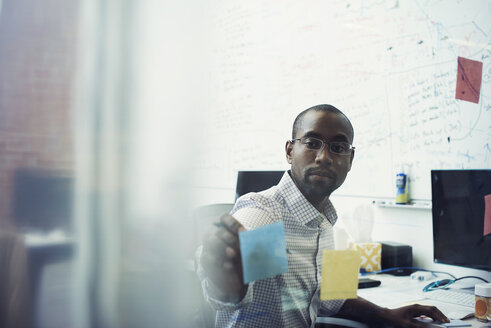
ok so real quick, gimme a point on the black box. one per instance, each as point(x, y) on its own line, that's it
point(396, 255)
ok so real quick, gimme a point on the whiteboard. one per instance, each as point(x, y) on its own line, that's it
point(390, 66)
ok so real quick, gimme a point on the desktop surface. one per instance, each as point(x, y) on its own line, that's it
point(397, 291)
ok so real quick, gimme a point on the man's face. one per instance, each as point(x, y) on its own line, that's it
point(317, 173)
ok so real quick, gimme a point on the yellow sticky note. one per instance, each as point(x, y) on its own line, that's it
point(340, 270)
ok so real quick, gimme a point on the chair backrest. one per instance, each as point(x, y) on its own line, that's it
point(333, 322)
point(254, 181)
point(204, 216)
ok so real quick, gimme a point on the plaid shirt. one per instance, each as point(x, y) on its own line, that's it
point(290, 299)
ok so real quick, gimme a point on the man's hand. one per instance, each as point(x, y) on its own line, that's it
point(221, 259)
point(403, 316)
point(376, 316)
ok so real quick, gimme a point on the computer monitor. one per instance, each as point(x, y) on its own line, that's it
point(43, 199)
point(254, 181)
point(458, 198)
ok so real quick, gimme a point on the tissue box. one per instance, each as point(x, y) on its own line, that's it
point(370, 255)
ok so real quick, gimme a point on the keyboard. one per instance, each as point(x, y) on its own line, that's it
point(464, 298)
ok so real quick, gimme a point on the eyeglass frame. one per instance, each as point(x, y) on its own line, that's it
point(324, 143)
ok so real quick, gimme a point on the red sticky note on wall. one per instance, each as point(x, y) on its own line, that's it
point(469, 76)
point(487, 215)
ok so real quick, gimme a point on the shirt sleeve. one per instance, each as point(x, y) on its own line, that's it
point(252, 214)
point(330, 308)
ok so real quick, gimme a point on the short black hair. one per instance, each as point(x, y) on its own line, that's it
point(319, 108)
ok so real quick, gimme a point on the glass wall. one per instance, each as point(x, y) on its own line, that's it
point(99, 109)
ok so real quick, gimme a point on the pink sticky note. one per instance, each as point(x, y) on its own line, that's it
point(487, 215)
point(469, 76)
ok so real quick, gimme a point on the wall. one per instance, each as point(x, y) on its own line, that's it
point(37, 52)
point(391, 66)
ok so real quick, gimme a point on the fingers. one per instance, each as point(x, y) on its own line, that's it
point(223, 238)
point(231, 223)
point(416, 315)
point(430, 311)
point(221, 244)
point(212, 263)
point(227, 236)
point(417, 310)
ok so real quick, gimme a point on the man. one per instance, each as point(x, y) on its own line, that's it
point(320, 154)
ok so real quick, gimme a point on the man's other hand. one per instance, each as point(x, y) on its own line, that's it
point(376, 316)
point(403, 316)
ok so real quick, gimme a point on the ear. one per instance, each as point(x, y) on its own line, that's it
point(351, 159)
point(288, 151)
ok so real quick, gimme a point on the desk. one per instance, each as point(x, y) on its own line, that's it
point(42, 250)
point(397, 291)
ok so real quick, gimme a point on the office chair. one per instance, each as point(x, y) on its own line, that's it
point(333, 322)
point(204, 216)
point(254, 181)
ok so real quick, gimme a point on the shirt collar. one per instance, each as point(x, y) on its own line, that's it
point(301, 208)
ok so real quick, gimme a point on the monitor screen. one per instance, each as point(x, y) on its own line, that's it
point(43, 199)
point(459, 206)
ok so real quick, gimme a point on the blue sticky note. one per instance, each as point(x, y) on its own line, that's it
point(263, 252)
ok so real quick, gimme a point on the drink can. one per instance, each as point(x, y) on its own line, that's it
point(402, 196)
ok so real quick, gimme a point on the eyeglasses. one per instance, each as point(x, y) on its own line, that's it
point(334, 147)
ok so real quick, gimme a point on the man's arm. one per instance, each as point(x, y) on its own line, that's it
point(221, 260)
point(364, 311)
